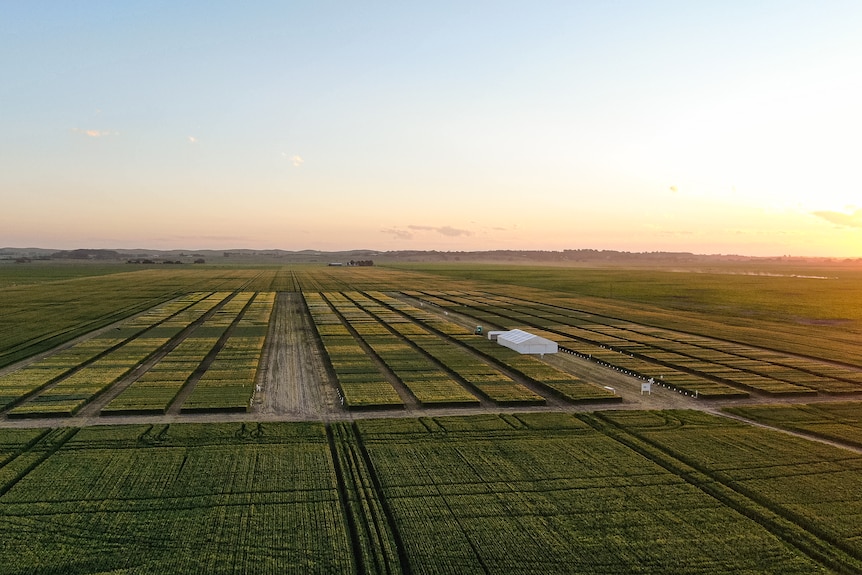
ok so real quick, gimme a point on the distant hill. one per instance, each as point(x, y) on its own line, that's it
point(275, 256)
point(84, 254)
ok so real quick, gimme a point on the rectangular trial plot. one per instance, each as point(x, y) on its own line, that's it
point(536, 493)
point(813, 486)
point(671, 349)
point(16, 455)
point(223, 498)
point(496, 386)
point(426, 381)
point(18, 384)
point(360, 383)
point(557, 381)
point(156, 389)
point(229, 381)
point(72, 392)
point(491, 383)
point(662, 375)
point(552, 497)
point(37, 317)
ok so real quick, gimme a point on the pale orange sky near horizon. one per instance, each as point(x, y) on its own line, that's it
point(638, 126)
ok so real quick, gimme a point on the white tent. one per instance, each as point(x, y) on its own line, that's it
point(524, 342)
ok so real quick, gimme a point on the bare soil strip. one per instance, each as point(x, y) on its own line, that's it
point(293, 380)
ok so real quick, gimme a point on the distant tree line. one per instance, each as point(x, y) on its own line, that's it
point(86, 255)
point(164, 262)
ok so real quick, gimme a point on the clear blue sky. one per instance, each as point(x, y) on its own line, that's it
point(729, 127)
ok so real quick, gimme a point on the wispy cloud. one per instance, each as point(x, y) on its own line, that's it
point(407, 234)
point(95, 133)
point(851, 220)
point(297, 161)
point(398, 234)
point(443, 230)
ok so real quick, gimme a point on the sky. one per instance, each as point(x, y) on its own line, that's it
point(728, 127)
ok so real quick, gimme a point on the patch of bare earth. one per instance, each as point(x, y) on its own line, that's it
point(293, 379)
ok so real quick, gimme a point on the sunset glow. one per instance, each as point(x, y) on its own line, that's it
point(640, 126)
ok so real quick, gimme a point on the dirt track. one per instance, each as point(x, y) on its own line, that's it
point(293, 380)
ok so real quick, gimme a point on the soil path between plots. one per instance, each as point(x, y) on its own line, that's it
point(293, 378)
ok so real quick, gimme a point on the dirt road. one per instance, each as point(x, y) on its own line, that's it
point(293, 379)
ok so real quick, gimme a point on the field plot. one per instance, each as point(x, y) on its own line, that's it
point(551, 379)
point(180, 499)
point(325, 279)
point(157, 388)
point(19, 384)
point(807, 489)
point(699, 386)
point(360, 382)
point(559, 488)
point(71, 393)
point(488, 381)
point(840, 422)
point(777, 307)
point(543, 493)
point(41, 315)
point(568, 498)
point(697, 364)
point(229, 381)
point(427, 382)
point(86, 368)
point(385, 352)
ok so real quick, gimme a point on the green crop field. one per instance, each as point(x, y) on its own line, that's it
point(616, 494)
point(306, 419)
point(757, 303)
point(834, 421)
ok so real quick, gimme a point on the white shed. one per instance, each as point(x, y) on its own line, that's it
point(525, 342)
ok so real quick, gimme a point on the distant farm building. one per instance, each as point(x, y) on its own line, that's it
point(352, 263)
point(523, 342)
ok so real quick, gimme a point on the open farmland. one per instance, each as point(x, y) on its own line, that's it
point(618, 493)
point(840, 422)
point(337, 420)
point(809, 310)
point(310, 342)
